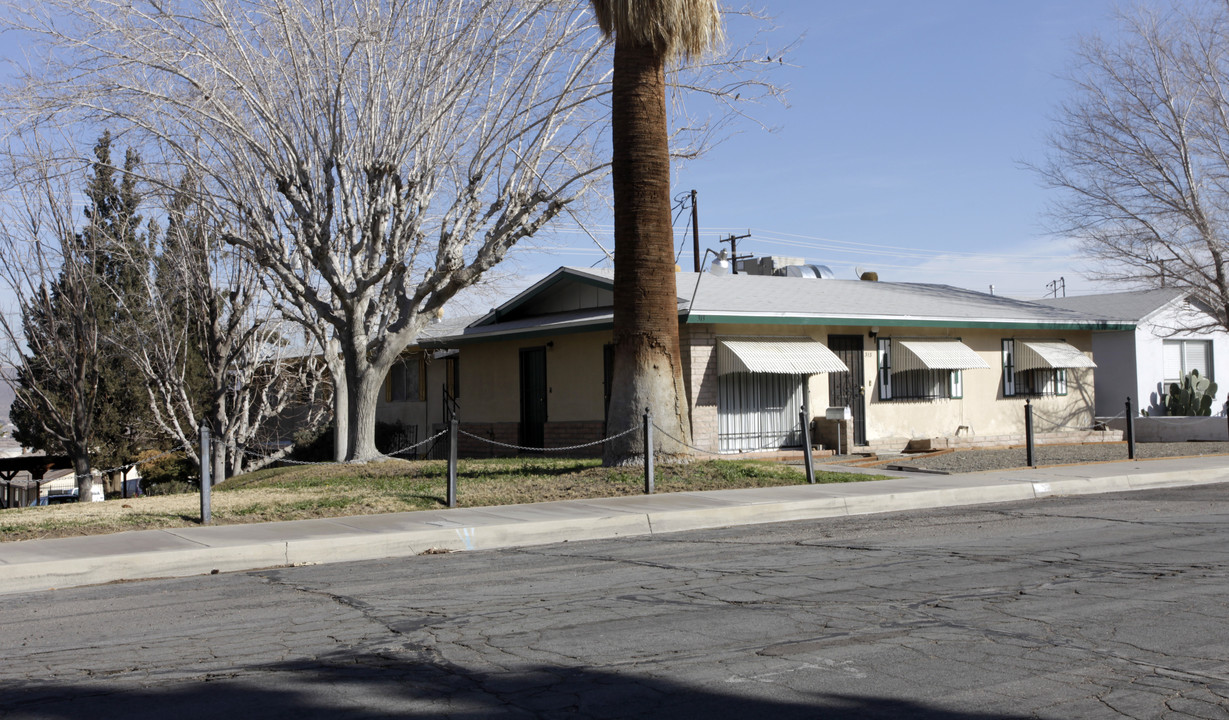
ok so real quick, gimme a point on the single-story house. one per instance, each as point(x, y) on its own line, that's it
point(913, 363)
point(420, 391)
point(1157, 350)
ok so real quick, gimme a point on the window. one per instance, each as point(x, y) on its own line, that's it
point(915, 383)
point(758, 411)
point(404, 380)
point(1182, 356)
point(1036, 382)
point(452, 366)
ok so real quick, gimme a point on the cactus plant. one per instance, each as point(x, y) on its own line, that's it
point(1192, 397)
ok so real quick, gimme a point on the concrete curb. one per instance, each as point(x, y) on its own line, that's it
point(68, 562)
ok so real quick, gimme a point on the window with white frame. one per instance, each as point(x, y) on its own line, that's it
point(1032, 381)
point(1182, 356)
point(915, 383)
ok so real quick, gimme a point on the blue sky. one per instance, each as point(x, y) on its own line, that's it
point(901, 150)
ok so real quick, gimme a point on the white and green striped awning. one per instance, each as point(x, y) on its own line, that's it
point(936, 354)
point(1033, 354)
point(781, 355)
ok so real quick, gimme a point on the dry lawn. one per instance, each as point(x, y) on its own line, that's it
point(394, 486)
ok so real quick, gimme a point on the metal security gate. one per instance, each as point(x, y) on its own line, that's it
point(758, 411)
point(845, 389)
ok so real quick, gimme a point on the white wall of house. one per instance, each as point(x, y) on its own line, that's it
point(1150, 340)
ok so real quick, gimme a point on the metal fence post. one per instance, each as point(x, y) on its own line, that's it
point(808, 461)
point(206, 482)
point(452, 462)
point(1029, 449)
point(1130, 430)
point(648, 451)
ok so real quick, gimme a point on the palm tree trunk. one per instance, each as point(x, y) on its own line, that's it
point(647, 364)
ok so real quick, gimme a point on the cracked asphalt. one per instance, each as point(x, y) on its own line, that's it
point(1111, 606)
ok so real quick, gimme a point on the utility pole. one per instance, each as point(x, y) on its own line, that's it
point(695, 230)
point(734, 256)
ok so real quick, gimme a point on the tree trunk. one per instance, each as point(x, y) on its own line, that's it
point(647, 364)
point(217, 441)
point(341, 401)
point(364, 385)
point(85, 478)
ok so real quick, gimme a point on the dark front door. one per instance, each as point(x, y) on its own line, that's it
point(533, 396)
point(845, 389)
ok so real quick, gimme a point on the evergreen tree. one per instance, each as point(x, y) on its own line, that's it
point(82, 393)
point(120, 262)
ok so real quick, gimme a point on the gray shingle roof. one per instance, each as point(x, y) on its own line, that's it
point(856, 301)
point(1131, 306)
point(707, 298)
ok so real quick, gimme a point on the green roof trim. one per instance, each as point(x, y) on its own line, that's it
point(693, 319)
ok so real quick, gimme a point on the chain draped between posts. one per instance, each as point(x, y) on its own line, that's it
point(289, 461)
point(568, 448)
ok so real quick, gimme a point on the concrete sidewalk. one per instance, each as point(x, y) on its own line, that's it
point(47, 564)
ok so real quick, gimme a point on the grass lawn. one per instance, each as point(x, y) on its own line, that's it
point(314, 491)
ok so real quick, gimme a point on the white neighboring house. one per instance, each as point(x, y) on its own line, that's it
point(1142, 362)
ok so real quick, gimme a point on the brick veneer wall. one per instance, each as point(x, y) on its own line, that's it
point(564, 434)
point(505, 432)
point(700, 358)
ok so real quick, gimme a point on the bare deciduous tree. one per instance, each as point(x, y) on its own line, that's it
point(212, 348)
point(1141, 152)
point(375, 157)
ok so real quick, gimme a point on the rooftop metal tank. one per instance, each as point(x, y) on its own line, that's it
point(805, 271)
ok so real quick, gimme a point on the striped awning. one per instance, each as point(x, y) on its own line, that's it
point(937, 354)
point(1033, 354)
point(782, 355)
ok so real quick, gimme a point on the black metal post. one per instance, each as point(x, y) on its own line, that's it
point(807, 460)
point(648, 451)
point(1130, 430)
point(695, 230)
point(452, 462)
point(206, 482)
point(1029, 448)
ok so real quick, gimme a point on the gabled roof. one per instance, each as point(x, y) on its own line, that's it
point(1133, 306)
point(758, 299)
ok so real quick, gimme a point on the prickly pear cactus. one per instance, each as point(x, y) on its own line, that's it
point(1192, 397)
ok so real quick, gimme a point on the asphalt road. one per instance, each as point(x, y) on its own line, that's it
point(1097, 606)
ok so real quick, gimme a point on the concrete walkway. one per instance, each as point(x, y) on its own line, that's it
point(37, 565)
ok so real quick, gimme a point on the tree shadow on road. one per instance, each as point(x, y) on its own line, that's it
point(373, 685)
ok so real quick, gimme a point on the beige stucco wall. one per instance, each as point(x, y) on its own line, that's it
point(983, 411)
point(490, 378)
point(574, 377)
point(490, 383)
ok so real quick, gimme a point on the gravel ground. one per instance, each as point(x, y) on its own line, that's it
point(964, 461)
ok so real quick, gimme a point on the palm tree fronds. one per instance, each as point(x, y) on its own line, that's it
point(673, 28)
